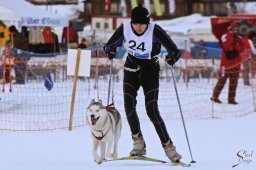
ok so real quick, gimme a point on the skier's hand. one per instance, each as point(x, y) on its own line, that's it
point(111, 54)
point(172, 58)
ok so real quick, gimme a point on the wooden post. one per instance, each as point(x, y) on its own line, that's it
point(74, 89)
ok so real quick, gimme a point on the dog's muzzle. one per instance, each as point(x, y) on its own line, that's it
point(94, 119)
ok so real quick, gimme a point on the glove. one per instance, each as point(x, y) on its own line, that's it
point(111, 54)
point(171, 59)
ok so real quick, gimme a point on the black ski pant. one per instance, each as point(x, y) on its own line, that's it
point(149, 80)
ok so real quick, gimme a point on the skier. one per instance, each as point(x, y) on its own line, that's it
point(143, 40)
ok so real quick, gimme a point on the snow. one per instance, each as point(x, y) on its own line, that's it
point(186, 23)
point(186, 28)
point(214, 144)
point(64, 10)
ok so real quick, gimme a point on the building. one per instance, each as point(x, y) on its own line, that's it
point(53, 2)
point(182, 7)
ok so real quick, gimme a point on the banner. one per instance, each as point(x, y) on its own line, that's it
point(134, 3)
point(172, 6)
point(44, 21)
point(158, 10)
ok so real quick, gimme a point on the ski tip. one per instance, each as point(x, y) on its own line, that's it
point(183, 164)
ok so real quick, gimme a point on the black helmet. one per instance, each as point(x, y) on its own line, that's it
point(140, 15)
point(12, 29)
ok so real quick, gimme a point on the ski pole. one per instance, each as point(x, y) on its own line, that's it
point(109, 83)
point(10, 69)
point(183, 122)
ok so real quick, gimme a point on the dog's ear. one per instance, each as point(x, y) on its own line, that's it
point(93, 101)
point(101, 104)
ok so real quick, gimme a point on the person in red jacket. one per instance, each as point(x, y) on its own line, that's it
point(69, 36)
point(232, 45)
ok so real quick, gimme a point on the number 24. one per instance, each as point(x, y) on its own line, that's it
point(134, 46)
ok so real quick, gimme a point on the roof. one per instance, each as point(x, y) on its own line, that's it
point(31, 15)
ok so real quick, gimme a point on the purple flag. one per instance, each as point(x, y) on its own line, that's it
point(48, 83)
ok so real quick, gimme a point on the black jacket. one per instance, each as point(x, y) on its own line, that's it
point(159, 37)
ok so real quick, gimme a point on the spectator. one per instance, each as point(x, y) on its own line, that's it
point(8, 62)
point(247, 55)
point(232, 45)
point(69, 36)
point(19, 42)
point(200, 50)
point(82, 44)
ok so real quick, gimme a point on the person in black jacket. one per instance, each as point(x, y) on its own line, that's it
point(82, 44)
point(143, 40)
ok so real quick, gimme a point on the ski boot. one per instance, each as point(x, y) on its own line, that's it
point(171, 153)
point(139, 146)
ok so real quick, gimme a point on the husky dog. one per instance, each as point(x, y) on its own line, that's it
point(105, 125)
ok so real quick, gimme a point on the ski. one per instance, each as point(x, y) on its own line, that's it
point(145, 158)
point(142, 158)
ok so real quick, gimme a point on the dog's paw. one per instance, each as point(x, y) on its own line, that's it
point(109, 155)
point(99, 161)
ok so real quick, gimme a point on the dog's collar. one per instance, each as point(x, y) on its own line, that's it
point(101, 137)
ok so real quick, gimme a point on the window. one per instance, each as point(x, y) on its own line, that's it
point(97, 25)
point(198, 8)
point(114, 8)
point(106, 26)
point(220, 9)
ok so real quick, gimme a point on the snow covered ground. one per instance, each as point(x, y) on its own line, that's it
point(215, 144)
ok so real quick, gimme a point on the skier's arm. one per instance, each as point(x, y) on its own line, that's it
point(115, 40)
point(173, 52)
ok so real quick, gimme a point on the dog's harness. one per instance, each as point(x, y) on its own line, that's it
point(101, 137)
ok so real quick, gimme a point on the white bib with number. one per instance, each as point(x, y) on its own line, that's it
point(138, 46)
